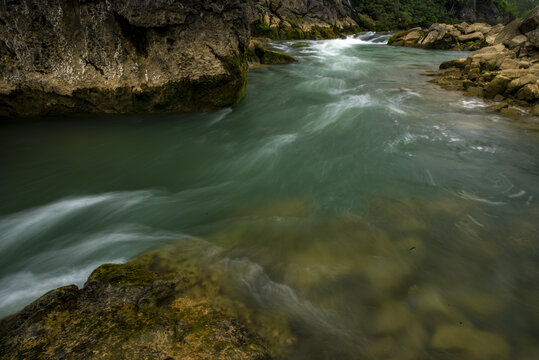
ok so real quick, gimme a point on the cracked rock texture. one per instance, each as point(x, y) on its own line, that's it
point(112, 56)
point(133, 56)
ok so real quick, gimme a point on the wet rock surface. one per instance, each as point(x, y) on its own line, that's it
point(121, 57)
point(142, 56)
point(387, 284)
point(259, 54)
point(131, 311)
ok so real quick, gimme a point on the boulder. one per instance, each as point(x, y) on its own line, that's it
point(258, 53)
point(496, 86)
point(529, 93)
point(535, 110)
point(495, 30)
point(533, 37)
point(440, 36)
point(127, 312)
point(491, 55)
point(476, 91)
point(476, 343)
point(472, 37)
point(490, 39)
point(510, 64)
point(479, 27)
point(122, 57)
point(518, 40)
point(457, 63)
point(508, 32)
point(531, 22)
point(462, 27)
point(510, 112)
point(514, 73)
point(413, 35)
point(517, 83)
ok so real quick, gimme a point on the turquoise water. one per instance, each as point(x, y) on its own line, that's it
point(374, 214)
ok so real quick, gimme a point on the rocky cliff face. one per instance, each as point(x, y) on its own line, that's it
point(303, 19)
point(112, 56)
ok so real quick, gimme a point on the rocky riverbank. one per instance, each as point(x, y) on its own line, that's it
point(506, 72)
point(60, 57)
point(504, 66)
point(463, 36)
point(298, 20)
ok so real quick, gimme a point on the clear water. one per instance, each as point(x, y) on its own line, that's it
point(374, 214)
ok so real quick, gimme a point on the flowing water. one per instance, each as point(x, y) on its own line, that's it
point(372, 214)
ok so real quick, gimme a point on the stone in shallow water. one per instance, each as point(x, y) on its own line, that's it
point(475, 343)
point(392, 317)
point(432, 307)
point(382, 347)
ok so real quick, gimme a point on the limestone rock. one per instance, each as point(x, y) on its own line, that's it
point(122, 57)
point(127, 311)
point(533, 37)
point(457, 63)
point(413, 35)
point(462, 27)
point(510, 112)
point(509, 31)
point(491, 55)
point(495, 29)
point(518, 40)
point(496, 86)
point(260, 54)
point(531, 22)
point(479, 27)
point(529, 92)
point(472, 36)
point(490, 39)
point(476, 91)
point(477, 343)
point(517, 83)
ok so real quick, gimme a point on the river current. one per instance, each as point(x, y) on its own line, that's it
point(371, 212)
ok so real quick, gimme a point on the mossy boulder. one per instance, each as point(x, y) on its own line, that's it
point(128, 311)
point(259, 53)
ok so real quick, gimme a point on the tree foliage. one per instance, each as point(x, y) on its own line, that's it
point(403, 14)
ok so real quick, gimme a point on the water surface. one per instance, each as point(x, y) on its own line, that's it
point(370, 212)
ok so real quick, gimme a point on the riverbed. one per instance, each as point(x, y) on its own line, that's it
point(374, 214)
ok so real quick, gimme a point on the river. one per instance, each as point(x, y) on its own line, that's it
point(371, 211)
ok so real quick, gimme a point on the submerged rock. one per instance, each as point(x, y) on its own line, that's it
point(476, 343)
point(129, 311)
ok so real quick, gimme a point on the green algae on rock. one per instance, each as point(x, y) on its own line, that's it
point(258, 53)
point(127, 311)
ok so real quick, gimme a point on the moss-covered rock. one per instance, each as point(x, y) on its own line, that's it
point(129, 311)
point(258, 53)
